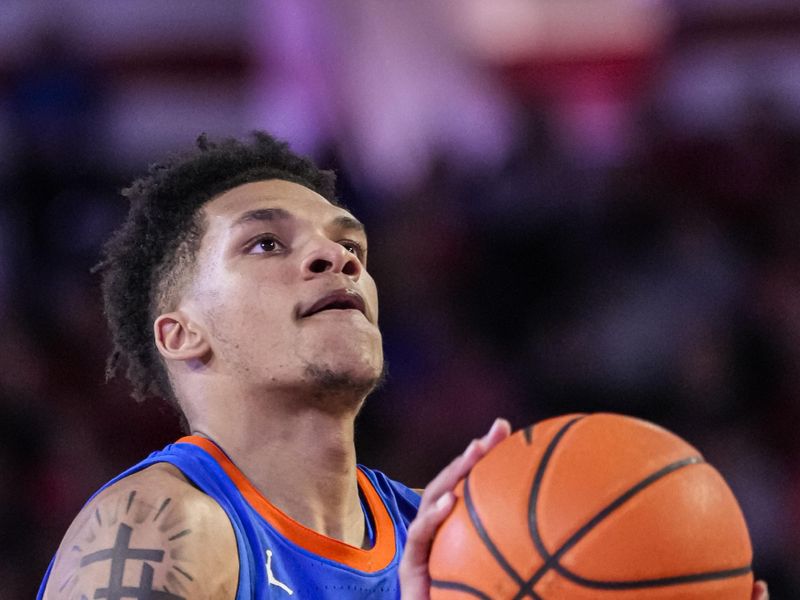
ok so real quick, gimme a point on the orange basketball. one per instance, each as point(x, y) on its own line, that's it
point(593, 507)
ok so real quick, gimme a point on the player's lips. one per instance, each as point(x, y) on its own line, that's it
point(343, 299)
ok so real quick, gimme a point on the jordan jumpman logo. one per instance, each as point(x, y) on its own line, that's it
point(271, 578)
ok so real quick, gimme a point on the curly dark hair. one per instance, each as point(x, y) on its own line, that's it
point(147, 260)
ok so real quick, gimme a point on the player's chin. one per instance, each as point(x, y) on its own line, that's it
point(358, 349)
point(356, 354)
point(343, 388)
point(362, 373)
point(359, 355)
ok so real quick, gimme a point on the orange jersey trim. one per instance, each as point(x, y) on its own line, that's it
point(374, 559)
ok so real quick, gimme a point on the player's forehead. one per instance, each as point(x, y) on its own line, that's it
point(291, 200)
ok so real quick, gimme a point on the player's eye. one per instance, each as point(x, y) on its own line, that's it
point(265, 244)
point(353, 248)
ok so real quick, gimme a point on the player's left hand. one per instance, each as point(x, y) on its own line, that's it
point(760, 591)
point(436, 504)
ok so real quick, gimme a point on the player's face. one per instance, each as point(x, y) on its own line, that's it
point(282, 290)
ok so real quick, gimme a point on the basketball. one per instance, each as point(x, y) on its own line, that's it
point(592, 507)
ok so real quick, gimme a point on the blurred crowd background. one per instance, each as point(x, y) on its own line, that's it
point(578, 205)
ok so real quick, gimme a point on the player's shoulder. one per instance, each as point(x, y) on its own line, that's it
point(151, 531)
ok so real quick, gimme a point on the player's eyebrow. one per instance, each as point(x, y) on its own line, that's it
point(262, 214)
point(279, 214)
point(346, 222)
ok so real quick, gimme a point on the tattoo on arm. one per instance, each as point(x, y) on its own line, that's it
point(125, 560)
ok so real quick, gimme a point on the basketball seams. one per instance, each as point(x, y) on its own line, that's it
point(646, 583)
point(583, 531)
point(622, 499)
point(484, 535)
point(459, 587)
point(533, 526)
point(467, 589)
point(463, 587)
point(528, 433)
point(552, 560)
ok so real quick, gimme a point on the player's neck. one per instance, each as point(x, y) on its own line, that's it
point(302, 461)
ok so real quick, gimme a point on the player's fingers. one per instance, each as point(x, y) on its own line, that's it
point(449, 476)
point(447, 479)
point(436, 504)
point(413, 571)
point(421, 530)
point(760, 591)
point(500, 430)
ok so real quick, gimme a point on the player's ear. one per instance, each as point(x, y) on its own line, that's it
point(179, 338)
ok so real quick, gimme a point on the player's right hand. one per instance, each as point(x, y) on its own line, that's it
point(436, 504)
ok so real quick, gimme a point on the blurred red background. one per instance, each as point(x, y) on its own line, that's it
point(572, 206)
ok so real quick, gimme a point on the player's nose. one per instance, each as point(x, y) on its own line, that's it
point(326, 255)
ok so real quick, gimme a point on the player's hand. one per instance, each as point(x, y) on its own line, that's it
point(436, 504)
point(760, 591)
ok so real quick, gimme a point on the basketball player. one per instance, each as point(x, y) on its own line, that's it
point(238, 289)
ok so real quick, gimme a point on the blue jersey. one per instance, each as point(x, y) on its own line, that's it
point(278, 557)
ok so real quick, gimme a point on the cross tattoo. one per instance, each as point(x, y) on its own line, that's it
point(118, 555)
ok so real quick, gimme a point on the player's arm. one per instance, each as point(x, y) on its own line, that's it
point(151, 535)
